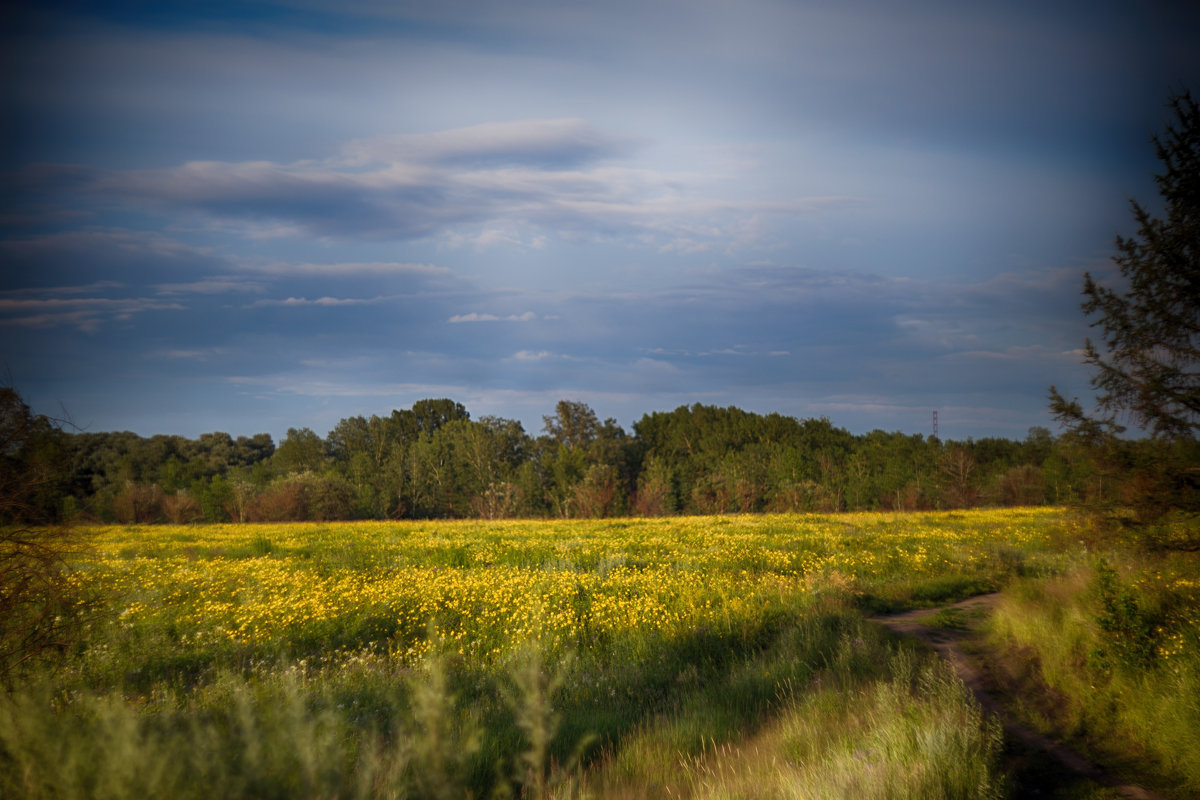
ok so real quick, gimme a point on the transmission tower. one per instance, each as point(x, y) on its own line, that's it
point(935, 433)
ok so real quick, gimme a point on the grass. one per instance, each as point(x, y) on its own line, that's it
point(873, 723)
point(697, 657)
point(1110, 655)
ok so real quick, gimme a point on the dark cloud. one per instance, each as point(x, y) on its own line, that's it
point(552, 176)
point(75, 257)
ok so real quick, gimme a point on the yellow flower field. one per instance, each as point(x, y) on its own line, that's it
point(425, 659)
point(485, 586)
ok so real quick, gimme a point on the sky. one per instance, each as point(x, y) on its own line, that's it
point(250, 217)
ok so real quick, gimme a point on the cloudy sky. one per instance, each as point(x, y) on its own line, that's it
point(254, 216)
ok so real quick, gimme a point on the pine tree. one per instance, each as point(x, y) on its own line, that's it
point(1148, 366)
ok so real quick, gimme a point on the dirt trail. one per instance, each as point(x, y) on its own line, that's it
point(949, 643)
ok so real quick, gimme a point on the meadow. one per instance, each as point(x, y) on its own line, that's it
point(723, 656)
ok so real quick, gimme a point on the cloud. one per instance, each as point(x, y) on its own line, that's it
point(203, 354)
point(55, 291)
point(947, 332)
point(528, 316)
point(352, 268)
point(85, 321)
point(538, 355)
point(326, 302)
point(480, 186)
point(683, 245)
point(494, 237)
point(396, 202)
point(87, 314)
point(1025, 355)
point(126, 242)
point(817, 134)
point(655, 366)
point(103, 257)
point(473, 317)
point(221, 285)
point(557, 143)
point(306, 384)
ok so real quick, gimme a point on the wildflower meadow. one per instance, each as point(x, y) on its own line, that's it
point(568, 658)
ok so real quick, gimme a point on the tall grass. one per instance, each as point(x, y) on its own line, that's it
point(872, 722)
point(266, 742)
point(1112, 648)
point(914, 734)
point(846, 715)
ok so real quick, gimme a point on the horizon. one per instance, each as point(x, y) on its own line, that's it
point(251, 217)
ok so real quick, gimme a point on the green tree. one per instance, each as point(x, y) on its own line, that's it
point(435, 476)
point(433, 414)
point(1148, 364)
point(655, 490)
point(215, 497)
point(249, 451)
point(360, 448)
point(300, 451)
point(574, 424)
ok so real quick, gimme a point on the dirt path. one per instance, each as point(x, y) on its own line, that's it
point(948, 639)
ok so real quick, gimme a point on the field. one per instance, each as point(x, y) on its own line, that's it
point(700, 656)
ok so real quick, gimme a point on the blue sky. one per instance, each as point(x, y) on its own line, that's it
point(254, 216)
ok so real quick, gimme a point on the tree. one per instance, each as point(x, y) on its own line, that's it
point(40, 614)
point(574, 424)
point(432, 414)
point(1148, 365)
point(300, 451)
point(958, 466)
point(655, 494)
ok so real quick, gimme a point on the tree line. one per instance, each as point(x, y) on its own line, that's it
point(434, 461)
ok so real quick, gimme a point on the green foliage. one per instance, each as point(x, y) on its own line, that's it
point(215, 497)
point(532, 697)
point(300, 451)
point(1147, 365)
point(655, 495)
point(1128, 633)
point(574, 425)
